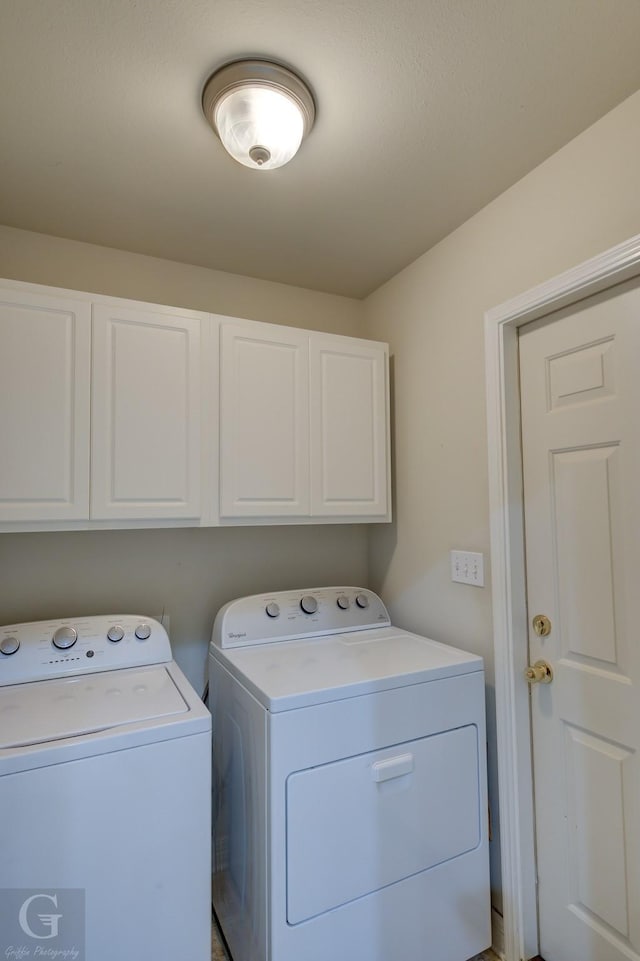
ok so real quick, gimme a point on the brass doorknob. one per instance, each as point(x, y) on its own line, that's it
point(539, 673)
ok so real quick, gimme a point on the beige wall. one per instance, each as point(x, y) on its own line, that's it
point(581, 201)
point(41, 259)
point(189, 573)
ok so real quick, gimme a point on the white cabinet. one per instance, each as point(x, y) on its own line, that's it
point(303, 423)
point(264, 417)
point(348, 432)
point(145, 428)
point(115, 413)
point(44, 406)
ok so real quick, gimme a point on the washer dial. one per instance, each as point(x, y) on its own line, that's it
point(272, 609)
point(143, 631)
point(309, 604)
point(343, 602)
point(65, 637)
point(9, 645)
point(115, 633)
point(362, 601)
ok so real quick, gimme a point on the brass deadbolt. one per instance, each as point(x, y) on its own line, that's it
point(541, 625)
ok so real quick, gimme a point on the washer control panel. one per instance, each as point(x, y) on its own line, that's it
point(80, 645)
point(288, 615)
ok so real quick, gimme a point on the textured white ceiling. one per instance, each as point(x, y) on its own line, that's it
point(427, 109)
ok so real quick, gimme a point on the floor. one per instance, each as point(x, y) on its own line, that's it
point(218, 952)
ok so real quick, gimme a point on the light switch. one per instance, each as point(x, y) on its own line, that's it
point(467, 567)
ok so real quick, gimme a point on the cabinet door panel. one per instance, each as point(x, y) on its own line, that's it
point(348, 427)
point(264, 429)
point(146, 415)
point(44, 407)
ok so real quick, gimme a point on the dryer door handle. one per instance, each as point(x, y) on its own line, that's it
point(392, 767)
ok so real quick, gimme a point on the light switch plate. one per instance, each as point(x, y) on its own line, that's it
point(467, 567)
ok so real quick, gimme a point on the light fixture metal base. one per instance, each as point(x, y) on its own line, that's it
point(240, 73)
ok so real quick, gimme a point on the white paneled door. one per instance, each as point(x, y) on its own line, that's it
point(580, 387)
point(45, 363)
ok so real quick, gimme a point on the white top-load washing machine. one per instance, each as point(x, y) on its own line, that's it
point(105, 761)
point(349, 784)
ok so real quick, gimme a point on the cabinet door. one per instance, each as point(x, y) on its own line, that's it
point(145, 433)
point(264, 421)
point(44, 407)
point(349, 435)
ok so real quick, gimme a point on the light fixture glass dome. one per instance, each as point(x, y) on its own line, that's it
point(259, 126)
point(260, 110)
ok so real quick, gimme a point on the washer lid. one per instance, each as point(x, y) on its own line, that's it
point(295, 674)
point(72, 706)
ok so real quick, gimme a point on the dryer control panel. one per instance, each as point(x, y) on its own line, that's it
point(80, 645)
point(289, 615)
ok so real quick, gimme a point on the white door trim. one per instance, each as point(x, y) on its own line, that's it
point(508, 574)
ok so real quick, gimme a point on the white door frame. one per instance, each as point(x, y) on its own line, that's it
point(508, 575)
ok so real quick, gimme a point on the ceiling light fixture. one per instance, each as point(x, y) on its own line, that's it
point(260, 110)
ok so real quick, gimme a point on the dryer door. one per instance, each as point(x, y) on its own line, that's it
point(359, 824)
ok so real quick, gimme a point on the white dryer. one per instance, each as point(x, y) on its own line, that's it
point(105, 761)
point(349, 784)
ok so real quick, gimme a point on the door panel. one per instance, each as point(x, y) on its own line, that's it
point(596, 773)
point(580, 397)
point(583, 481)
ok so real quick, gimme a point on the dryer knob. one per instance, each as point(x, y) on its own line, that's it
point(9, 645)
point(65, 637)
point(343, 602)
point(309, 604)
point(272, 609)
point(143, 631)
point(362, 601)
point(115, 633)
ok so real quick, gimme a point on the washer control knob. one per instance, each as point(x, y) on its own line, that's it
point(143, 631)
point(9, 645)
point(272, 609)
point(309, 604)
point(115, 633)
point(65, 637)
point(343, 602)
point(362, 601)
